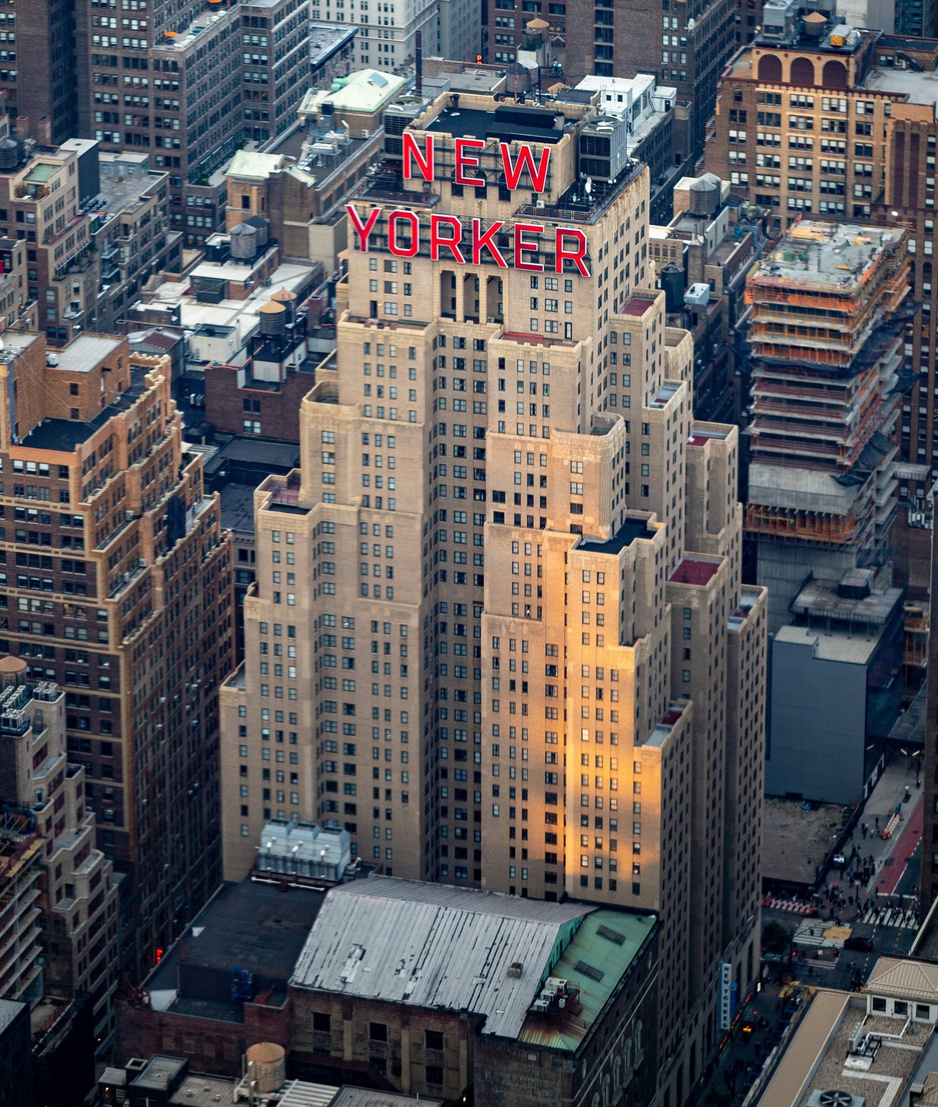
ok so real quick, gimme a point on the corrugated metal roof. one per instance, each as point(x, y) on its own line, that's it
point(299, 1093)
point(41, 172)
point(434, 946)
point(369, 1097)
point(903, 979)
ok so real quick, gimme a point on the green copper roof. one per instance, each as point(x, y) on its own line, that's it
point(597, 957)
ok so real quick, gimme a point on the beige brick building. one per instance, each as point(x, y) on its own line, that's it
point(118, 587)
point(498, 630)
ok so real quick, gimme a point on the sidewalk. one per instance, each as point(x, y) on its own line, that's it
point(888, 793)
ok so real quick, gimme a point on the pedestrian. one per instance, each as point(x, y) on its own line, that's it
point(877, 822)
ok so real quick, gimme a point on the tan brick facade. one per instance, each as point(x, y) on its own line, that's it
point(507, 571)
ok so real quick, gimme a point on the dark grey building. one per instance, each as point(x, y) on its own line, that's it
point(836, 687)
point(16, 1059)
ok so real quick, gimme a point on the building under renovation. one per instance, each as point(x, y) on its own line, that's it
point(826, 337)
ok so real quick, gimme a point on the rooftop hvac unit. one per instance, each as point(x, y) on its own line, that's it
point(835, 1098)
point(603, 148)
point(698, 295)
point(541, 1005)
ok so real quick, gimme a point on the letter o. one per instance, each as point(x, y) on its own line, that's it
point(393, 246)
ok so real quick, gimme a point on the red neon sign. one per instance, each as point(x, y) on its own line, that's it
point(466, 160)
point(448, 235)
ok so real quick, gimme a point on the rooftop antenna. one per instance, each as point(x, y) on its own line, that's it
point(418, 60)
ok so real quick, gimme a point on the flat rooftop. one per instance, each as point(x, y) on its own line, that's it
point(160, 1071)
point(695, 570)
point(830, 645)
point(349, 1096)
point(118, 194)
point(65, 434)
point(834, 256)
point(637, 305)
point(252, 924)
point(702, 435)
point(821, 599)
point(201, 1090)
point(920, 88)
point(85, 353)
point(182, 40)
point(281, 454)
point(464, 122)
point(794, 1070)
point(325, 39)
point(748, 598)
point(624, 537)
point(300, 279)
point(15, 342)
point(237, 508)
point(888, 1073)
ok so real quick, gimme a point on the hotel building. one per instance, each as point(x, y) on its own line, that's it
point(498, 630)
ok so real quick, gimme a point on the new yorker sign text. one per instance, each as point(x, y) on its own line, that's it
point(473, 241)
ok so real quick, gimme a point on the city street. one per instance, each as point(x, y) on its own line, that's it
point(882, 909)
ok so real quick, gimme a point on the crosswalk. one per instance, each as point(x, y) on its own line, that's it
point(811, 933)
point(896, 916)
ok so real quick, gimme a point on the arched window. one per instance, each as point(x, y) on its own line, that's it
point(835, 75)
point(802, 73)
point(770, 68)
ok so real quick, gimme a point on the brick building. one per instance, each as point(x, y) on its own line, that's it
point(43, 798)
point(929, 885)
point(445, 989)
point(813, 121)
point(683, 45)
point(300, 184)
point(554, 407)
point(507, 26)
point(119, 589)
point(188, 1003)
point(38, 68)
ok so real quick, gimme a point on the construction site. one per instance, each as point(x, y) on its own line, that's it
point(21, 852)
point(825, 332)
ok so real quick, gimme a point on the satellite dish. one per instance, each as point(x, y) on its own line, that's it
point(589, 185)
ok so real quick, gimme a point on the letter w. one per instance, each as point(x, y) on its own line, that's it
point(525, 160)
